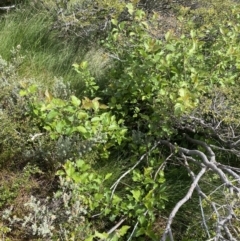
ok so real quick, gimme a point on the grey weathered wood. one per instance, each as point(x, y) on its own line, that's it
point(7, 8)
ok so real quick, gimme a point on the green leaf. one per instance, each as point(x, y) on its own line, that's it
point(113, 100)
point(76, 66)
point(104, 107)
point(130, 8)
point(182, 92)
point(171, 48)
point(51, 115)
point(112, 127)
point(53, 136)
point(77, 177)
point(83, 65)
point(147, 171)
point(141, 230)
point(139, 14)
point(107, 176)
point(90, 238)
point(81, 129)
point(161, 178)
point(136, 194)
point(116, 199)
point(75, 101)
point(95, 119)
point(114, 238)
point(60, 173)
point(95, 105)
point(32, 89)
point(193, 33)
point(59, 127)
point(22, 92)
point(142, 219)
point(80, 163)
point(123, 132)
point(136, 176)
point(123, 230)
point(119, 107)
point(82, 115)
point(178, 108)
point(114, 21)
point(70, 109)
point(69, 168)
point(101, 235)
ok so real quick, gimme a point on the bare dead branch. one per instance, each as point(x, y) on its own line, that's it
point(200, 196)
point(208, 162)
point(116, 226)
point(205, 146)
point(8, 7)
point(162, 166)
point(114, 186)
point(181, 202)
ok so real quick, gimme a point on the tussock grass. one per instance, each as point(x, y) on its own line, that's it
point(46, 55)
point(99, 61)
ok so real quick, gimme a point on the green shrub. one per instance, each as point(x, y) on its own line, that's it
point(17, 126)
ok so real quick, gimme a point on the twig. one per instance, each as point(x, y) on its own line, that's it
point(203, 217)
point(135, 226)
point(7, 8)
point(200, 195)
point(116, 226)
point(33, 137)
point(180, 204)
point(114, 186)
point(212, 164)
point(162, 166)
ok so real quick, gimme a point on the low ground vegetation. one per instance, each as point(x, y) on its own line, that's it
point(120, 121)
